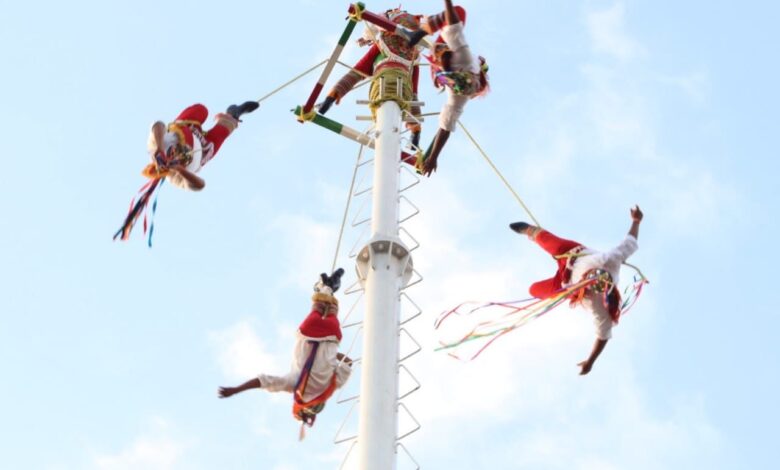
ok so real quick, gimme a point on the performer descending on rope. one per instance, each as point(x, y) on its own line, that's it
point(318, 369)
point(577, 263)
point(182, 148)
point(453, 67)
point(179, 150)
point(388, 48)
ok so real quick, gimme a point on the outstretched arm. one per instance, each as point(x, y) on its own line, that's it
point(636, 219)
point(587, 365)
point(225, 392)
point(432, 154)
point(158, 133)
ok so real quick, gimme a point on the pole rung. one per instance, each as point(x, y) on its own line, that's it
point(414, 240)
point(416, 281)
point(352, 446)
point(410, 103)
point(408, 454)
point(336, 439)
point(419, 347)
point(417, 423)
point(417, 382)
point(417, 313)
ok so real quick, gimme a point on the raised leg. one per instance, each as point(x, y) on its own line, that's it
point(195, 113)
point(552, 244)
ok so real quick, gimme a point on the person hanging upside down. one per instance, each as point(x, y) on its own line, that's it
point(318, 369)
point(454, 68)
point(178, 151)
point(577, 263)
point(182, 148)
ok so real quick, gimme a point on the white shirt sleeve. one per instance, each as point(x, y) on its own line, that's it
point(612, 259)
point(626, 248)
point(601, 318)
point(452, 110)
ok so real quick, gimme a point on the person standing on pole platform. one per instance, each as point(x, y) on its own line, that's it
point(453, 67)
point(386, 48)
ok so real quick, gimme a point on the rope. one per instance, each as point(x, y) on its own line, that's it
point(506, 183)
point(356, 13)
point(292, 81)
point(390, 84)
point(346, 209)
point(304, 116)
point(353, 69)
point(638, 271)
point(579, 254)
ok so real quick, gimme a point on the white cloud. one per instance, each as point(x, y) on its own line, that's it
point(241, 353)
point(153, 450)
point(693, 201)
point(606, 131)
point(611, 426)
point(695, 85)
point(309, 245)
point(608, 35)
point(616, 111)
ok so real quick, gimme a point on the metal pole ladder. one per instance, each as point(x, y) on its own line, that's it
point(385, 271)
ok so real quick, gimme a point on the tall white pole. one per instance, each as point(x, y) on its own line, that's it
point(382, 264)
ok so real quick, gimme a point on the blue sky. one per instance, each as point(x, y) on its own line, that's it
point(111, 353)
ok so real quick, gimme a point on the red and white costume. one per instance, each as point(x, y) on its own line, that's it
point(461, 61)
point(188, 141)
point(321, 326)
point(388, 50)
point(575, 262)
point(466, 77)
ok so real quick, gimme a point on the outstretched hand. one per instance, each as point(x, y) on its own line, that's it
point(636, 214)
point(226, 392)
point(585, 367)
point(184, 178)
point(429, 166)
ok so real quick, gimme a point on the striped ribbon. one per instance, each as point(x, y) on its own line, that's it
point(140, 207)
point(517, 313)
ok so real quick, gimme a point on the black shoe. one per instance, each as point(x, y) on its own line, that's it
point(520, 227)
point(334, 280)
point(326, 104)
point(412, 37)
point(238, 110)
